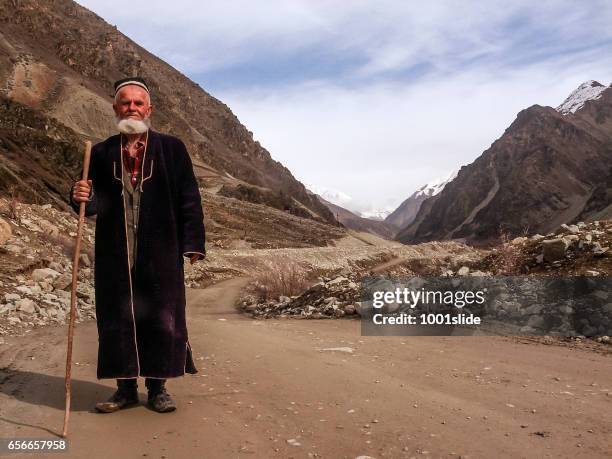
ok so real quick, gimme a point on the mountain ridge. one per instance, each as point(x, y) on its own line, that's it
point(542, 171)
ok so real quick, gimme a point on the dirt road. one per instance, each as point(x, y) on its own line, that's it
point(269, 389)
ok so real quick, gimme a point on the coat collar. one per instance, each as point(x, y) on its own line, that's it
point(148, 163)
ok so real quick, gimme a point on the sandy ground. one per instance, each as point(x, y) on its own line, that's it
point(268, 389)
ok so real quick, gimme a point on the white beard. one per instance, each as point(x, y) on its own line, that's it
point(132, 126)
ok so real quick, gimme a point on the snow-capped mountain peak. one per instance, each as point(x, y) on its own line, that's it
point(342, 199)
point(589, 90)
point(329, 194)
point(408, 210)
point(375, 214)
point(435, 186)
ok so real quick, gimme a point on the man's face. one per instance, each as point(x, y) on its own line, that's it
point(132, 102)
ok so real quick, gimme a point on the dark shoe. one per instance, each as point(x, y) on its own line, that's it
point(119, 400)
point(161, 401)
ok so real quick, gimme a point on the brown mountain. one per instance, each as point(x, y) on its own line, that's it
point(549, 167)
point(58, 61)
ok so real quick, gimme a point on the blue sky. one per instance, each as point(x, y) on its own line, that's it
point(375, 98)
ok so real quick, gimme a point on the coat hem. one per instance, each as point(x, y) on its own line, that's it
point(143, 376)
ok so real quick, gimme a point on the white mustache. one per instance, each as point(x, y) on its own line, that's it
point(133, 126)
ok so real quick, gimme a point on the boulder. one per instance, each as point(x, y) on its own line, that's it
point(56, 266)
point(598, 249)
point(25, 305)
point(533, 309)
point(13, 248)
point(45, 286)
point(84, 259)
point(62, 282)
point(554, 249)
point(568, 229)
point(45, 274)
point(11, 297)
point(48, 227)
point(5, 231)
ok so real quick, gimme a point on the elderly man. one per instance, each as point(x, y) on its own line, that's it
point(149, 216)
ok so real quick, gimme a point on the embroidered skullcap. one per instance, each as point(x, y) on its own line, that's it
point(131, 80)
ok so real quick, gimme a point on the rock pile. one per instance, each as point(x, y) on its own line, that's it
point(582, 249)
point(44, 298)
point(36, 270)
point(570, 238)
point(570, 243)
point(329, 298)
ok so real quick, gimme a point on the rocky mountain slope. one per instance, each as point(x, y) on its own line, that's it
point(549, 167)
point(407, 210)
point(39, 156)
point(59, 60)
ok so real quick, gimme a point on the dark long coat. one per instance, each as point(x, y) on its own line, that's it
point(141, 314)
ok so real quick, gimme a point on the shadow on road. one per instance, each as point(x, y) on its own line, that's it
point(45, 390)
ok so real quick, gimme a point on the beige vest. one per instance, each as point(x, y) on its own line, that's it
point(131, 201)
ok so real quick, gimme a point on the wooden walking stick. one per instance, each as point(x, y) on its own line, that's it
point(75, 270)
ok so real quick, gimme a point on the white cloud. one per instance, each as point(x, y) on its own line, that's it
point(201, 36)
